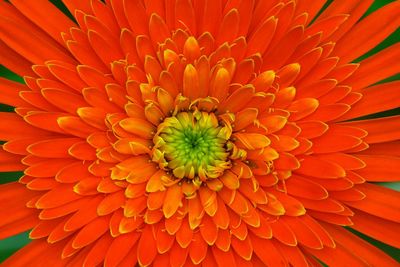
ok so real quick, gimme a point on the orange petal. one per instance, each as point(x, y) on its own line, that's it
point(91, 232)
point(43, 46)
point(253, 192)
point(316, 89)
point(164, 240)
point(82, 151)
point(195, 212)
point(10, 93)
point(266, 251)
point(319, 168)
point(126, 225)
point(48, 168)
point(331, 218)
point(317, 72)
point(304, 235)
point(52, 198)
point(147, 249)
point(173, 199)
point(221, 217)
point(41, 184)
point(45, 120)
point(191, 50)
point(63, 99)
point(379, 24)
point(303, 187)
point(208, 199)
point(375, 99)
point(356, 11)
point(135, 206)
point(264, 230)
point(302, 108)
point(84, 215)
point(44, 16)
point(111, 203)
point(13, 127)
point(87, 186)
point(208, 230)
point(191, 84)
point(278, 55)
point(220, 84)
point(379, 130)
point(158, 29)
point(284, 142)
point(286, 161)
point(329, 143)
point(120, 248)
point(15, 62)
point(327, 25)
point(252, 141)
point(267, 28)
point(293, 255)
point(8, 198)
point(245, 118)
point(288, 74)
point(284, 16)
point(347, 161)
point(98, 98)
point(376, 68)
point(335, 184)
point(329, 112)
point(178, 255)
point(229, 27)
point(373, 202)
point(222, 257)
point(235, 201)
point(312, 129)
point(379, 168)
point(283, 233)
point(31, 254)
point(378, 228)
point(240, 231)
point(168, 83)
point(185, 15)
point(104, 47)
point(75, 126)
point(198, 249)
point(360, 247)
point(273, 123)
point(79, 170)
point(98, 252)
point(185, 234)
point(244, 71)
point(161, 260)
point(342, 256)
point(212, 16)
point(284, 97)
point(223, 241)
point(10, 162)
point(237, 100)
point(387, 148)
point(323, 234)
point(139, 127)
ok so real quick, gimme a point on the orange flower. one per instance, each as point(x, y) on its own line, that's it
point(199, 132)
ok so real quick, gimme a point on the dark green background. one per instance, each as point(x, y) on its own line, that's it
point(10, 245)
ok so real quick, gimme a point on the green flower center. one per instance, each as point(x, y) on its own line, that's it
point(193, 145)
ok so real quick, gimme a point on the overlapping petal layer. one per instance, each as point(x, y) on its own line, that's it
point(203, 132)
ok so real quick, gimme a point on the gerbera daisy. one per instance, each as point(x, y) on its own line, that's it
point(199, 132)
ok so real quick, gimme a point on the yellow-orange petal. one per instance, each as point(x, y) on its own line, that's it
point(173, 199)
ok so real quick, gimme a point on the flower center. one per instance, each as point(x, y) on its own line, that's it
point(193, 145)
